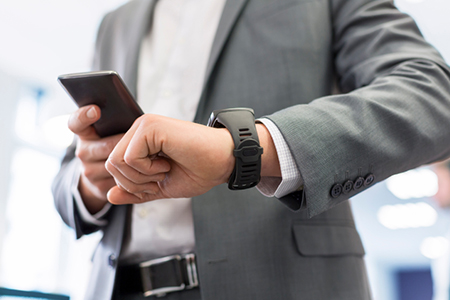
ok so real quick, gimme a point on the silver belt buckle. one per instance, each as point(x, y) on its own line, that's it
point(191, 269)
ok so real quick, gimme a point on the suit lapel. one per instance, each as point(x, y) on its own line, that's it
point(230, 14)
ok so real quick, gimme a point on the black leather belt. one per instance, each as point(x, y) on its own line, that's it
point(158, 277)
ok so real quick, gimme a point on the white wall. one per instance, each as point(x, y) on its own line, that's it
point(9, 92)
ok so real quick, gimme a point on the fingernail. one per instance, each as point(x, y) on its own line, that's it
point(91, 113)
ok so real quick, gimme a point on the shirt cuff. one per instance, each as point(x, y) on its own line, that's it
point(86, 216)
point(290, 180)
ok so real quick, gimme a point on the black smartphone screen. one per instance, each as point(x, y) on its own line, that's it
point(106, 90)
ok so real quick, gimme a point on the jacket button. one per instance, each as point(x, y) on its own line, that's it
point(348, 186)
point(112, 260)
point(336, 190)
point(359, 182)
point(369, 179)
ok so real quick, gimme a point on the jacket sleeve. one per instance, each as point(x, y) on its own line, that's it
point(393, 113)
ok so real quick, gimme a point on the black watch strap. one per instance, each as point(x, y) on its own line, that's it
point(240, 122)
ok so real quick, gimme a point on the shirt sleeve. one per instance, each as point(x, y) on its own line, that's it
point(291, 179)
point(86, 216)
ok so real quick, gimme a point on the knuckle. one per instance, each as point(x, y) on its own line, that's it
point(108, 166)
point(80, 153)
point(146, 118)
point(88, 173)
point(75, 121)
point(100, 152)
point(129, 160)
point(114, 160)
point(85, 152)
point(71, 123)
point(161, 177)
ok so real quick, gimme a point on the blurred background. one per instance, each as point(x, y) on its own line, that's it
point(403, 230)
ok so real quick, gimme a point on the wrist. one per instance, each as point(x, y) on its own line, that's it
point(228, 161)
point(92, 202)
point(240, 122)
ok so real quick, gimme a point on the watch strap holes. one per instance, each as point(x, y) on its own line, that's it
point(244, 133)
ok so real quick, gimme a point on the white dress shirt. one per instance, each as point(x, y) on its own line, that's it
point(171, 74)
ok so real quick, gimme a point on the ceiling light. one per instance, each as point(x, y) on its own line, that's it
point(410, 215)
point(417, 183)
point(434, 247)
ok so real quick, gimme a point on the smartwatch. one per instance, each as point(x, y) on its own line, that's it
point(240, 122)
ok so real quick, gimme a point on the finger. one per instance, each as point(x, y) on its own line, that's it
point(149, 165)
point(118, 196)
point(100, 188)
point(117, 154)
point(95, 171)
point(105, 185)
point(161, 168)
point(81, 120)
point(142, 153)
point(116, 162)
point(131, 187)
point(97, 150)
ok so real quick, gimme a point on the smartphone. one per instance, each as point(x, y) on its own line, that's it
point(108, 91)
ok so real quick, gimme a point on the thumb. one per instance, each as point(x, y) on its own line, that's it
point(81, 120)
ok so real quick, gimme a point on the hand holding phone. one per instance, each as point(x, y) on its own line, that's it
point(118, 110)
point(92, 152)
point(108, 91)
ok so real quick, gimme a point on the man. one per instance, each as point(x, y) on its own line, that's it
point(281, 58)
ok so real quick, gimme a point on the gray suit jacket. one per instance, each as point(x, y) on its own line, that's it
point(282, 58)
